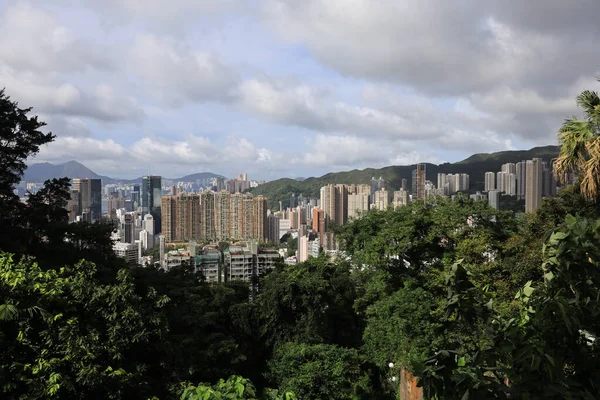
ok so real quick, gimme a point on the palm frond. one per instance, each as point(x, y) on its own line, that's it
point(590, 183)
point(572, 136)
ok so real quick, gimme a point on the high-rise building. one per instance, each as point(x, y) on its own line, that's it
point(383, 199)
point(490, 183)
point(90, 196)
point(96, 199)
point(357, 203)
point(494, 199)
point(260, 218)
point(148, 226)
point(207, 215)
point(249, 216)
point(404, 185)
point(161, 250)
point(400, 198)
point(548, 181)
point(292, 200)
point(302, 249)
point(509, 168)
point(169, 218)
point(273, 221)
point(521, 179)
point(222, 208)
point(373, 190)
point(418, 181)
point(151, 195)
point(188, 216)
point(73, 205)
point(294, 219)
point(236, 216)
point(181, 217)
point(533, 187)
point(328, 199)
point(128, 229)
point(341, 204)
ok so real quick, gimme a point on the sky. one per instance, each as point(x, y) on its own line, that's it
point(287, 88)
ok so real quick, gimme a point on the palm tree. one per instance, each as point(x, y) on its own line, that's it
point(579, 141)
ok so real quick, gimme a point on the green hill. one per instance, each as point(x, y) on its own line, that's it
point(476, 166)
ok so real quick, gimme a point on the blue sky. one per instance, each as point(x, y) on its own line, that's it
point(280, 88)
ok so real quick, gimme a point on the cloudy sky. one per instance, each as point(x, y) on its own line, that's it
point(294, 88)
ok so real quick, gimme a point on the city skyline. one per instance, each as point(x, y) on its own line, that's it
point(280, 87)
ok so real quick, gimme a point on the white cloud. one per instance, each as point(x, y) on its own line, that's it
point(311, 108)
point(32, 39)
point(178, 72)
point(53, 96)
point(346, 152)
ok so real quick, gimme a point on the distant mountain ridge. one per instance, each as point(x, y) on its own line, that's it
point(476, 166)
point(41, 172)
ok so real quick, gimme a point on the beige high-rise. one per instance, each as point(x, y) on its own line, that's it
point(181, 217)
point(533, 185)
point(207, 215)
point(261, 227)
point(222, 209)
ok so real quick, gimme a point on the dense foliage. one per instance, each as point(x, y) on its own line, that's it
point(474, 302)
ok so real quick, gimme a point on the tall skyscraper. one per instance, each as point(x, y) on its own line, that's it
point(400, 198)
point(96, 199)
point(341, 204)
point(148, 226)
point(249, 216)
point(490, 181)
point(383, 199)
point(128, 229)
point(521, 179)
point(90, 197)
point(222, 208)
point(533, 188)
point(151, 199)
point(302, 249)
point(207, 215)
point(292, 200)
point(357, 203)
point(404, 184)
point(236, 216)
point(273, 221)
point(418, 181)
point(169, 218)
point(73, 205)
point(494, 199)
point(548, 181)
point(260, 218)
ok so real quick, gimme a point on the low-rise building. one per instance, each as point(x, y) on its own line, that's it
point(127, 251)
point(209, 261)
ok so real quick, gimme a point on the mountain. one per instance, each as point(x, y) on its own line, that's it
point(195, 177)
point(41, 172)
point(476, 166)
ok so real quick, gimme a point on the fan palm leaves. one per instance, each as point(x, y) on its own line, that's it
point(579, 141)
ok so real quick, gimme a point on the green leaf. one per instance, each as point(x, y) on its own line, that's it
point(8, 312)
point(461, 362)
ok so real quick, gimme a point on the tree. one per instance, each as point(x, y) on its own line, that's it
point(319, 371)
point(549, 348)
point(20, 138)
point(580, 146)
point(64, 334)
point(234, 388)
point(311, 302)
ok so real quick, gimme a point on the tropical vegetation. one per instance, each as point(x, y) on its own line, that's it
point(474, 302)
